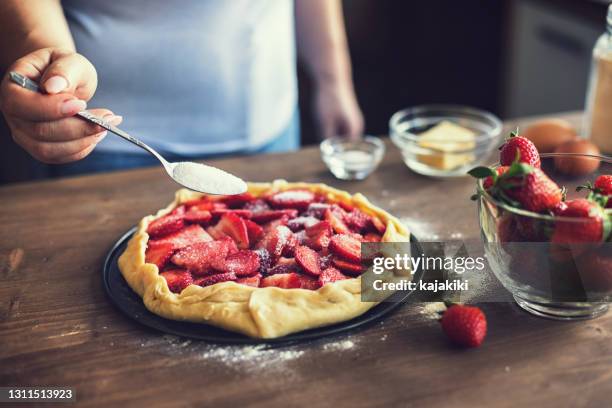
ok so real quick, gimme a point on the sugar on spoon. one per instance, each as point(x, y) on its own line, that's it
point(194, 176)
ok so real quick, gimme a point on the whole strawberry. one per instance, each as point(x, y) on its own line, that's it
point(603, 183)
point(521, 149)
point(600, 191)
point(593, 225)
point(520, 185)
point(464, 325)
point(536, 192)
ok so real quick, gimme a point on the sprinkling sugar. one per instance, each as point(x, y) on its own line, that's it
point(207, 179)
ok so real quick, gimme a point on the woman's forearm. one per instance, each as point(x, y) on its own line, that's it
point(321, 40)
point(29, 25)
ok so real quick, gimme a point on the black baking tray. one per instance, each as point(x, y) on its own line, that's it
point(131, 304)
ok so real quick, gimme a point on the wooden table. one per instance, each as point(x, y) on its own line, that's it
point(57, 327)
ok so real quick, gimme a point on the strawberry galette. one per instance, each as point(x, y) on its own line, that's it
point(281, 258)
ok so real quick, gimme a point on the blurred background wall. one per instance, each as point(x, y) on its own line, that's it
point(511, 57)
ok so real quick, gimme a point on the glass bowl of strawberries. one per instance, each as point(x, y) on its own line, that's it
point(547, 229)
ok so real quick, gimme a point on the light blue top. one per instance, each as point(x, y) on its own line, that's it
point(191, 77)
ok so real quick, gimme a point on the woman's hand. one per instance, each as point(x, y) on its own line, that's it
point(43, 124)
point(337, 112)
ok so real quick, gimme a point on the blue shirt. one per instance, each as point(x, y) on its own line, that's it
point(191, 77)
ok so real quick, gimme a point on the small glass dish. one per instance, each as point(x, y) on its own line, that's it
point(445, 157)
point(352, 159)
point(566, 281)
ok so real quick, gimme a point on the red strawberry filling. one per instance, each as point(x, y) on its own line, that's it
point(290, 239)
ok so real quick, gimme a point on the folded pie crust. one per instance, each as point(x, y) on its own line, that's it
point(257, 312)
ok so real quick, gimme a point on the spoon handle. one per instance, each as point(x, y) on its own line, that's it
point(27, 83)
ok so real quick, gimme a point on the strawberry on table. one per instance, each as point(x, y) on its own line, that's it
point(298, 198)
point(330, 275)
point(308, 260)
point(521, 148)
point(346, 247)
point(283, 280)
point(177, 279)
point(465, 325)
point(242, 263)
point(165, 225)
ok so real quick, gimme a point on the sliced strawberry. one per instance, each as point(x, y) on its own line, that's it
point(308, 260)
point(188, 236)
point(283, 280)
point(257, 206)
point(195, 216)
point(301, 237)
point(267, 227)
point(358, 221)
point(292, 243)
point(299, 199)
point(250, 281)
point(266, 216)
point(371, 237)
point(284, 268)
point(309, 282)
point(254, 231)
point(233, 226)
point(265, 262)
point(203, 257)
point(242, 263)
point(177, 279)
point(330, 275)
point(299, 223)
point(348, 267)
point(318, 235)
point(317, 210)
point(377, 225)
point(238, 200)
point(275, 241)
point(159, 254)
point(346, 247)
point(165, 225)
point(180, 210)
point(216, 213)
point(217, 278)
point(335, 219)
point(325, 261)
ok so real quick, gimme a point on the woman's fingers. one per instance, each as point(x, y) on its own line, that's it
point(69, 78)
point(59, 152)
point(69, 72)
point(66, 129)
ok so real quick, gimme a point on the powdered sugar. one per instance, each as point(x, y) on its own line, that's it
point(339, 345)
point(207, 179)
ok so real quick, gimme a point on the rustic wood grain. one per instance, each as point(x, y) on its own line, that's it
point(58, 328)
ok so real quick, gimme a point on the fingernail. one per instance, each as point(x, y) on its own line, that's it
point(56, 84)
point(73, 106)
point(101, 136)
point(113, 119)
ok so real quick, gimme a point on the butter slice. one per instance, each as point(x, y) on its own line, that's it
point(447, 138)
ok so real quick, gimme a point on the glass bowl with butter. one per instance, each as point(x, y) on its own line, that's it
point(444, 140)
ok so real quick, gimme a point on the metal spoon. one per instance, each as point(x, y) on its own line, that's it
point(194, 176)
